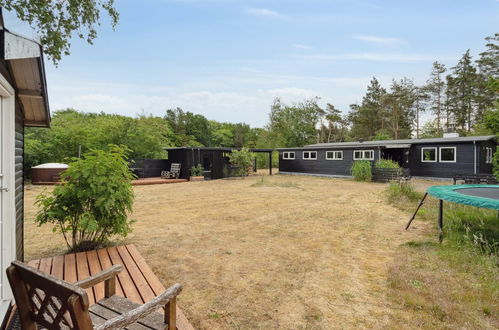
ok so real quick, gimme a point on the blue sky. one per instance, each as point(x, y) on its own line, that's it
point(227, 59)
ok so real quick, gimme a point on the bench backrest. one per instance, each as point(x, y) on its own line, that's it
point(44, 300)
point(175, 167)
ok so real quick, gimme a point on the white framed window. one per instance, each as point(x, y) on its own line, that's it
point(488, 155)
point(309, 155)
point(363, 155)
point(447, 154)
point(428, 155)
point(288, 155)
point(334, 155)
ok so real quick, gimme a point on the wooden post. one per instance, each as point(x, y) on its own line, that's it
point(171, 314)
point(110, 287)
point(270, 163)
point(440, 220)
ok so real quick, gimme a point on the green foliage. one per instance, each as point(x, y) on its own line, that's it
point(94, 200)
point(386, 163)
point(197, 170)
point(242, 161)
point(495, 164)
point(144, 136)
point(294, 125)
point(402, 192)
point(381, 136)
point(56, 22)
point(361, 170)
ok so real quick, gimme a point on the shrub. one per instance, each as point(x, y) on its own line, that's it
point(93, 202)
point(495, 162)
point(386, 163)
point(361, 170)
point(242, 161)
point(197, 170)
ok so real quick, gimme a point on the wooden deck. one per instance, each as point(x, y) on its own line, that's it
point(136, 282)
point(150, 181)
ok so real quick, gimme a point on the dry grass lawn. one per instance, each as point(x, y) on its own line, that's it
point(286, 252)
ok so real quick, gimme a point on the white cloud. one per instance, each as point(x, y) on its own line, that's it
point(382, 57)
point(301, 46)
point(379, 40)
point(263, 12)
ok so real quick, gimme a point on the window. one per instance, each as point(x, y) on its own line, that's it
point(428, 155)
point(334, 155)
point(309, 155)
point(288, 155)
point(363, 155)
point(448, 154)
point(488, 155)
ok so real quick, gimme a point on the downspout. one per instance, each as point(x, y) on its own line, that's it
point(474, 157)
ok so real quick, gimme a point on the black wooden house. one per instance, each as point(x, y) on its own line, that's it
point(437, 157)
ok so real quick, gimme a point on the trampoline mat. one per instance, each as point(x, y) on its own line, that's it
point(485, 192)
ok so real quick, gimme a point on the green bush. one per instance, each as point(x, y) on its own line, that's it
point(93, 202)
point(495, 162)
point(242, 161)
point(361, 170)
point(197, 170)
point(386, 163)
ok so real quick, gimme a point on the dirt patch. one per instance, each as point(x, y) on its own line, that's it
point(291, 252)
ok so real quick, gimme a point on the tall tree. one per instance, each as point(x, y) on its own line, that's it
point(56, 22)
point(421, 98)
point(435, 86)
point(488, 76)
point(368, 117)
point(294, 125)
point(399, 105)
point(462, 85)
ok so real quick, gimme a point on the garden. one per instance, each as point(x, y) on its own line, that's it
point(286, 251)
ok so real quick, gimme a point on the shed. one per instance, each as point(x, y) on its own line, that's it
point(215, 161)
point(23, 102)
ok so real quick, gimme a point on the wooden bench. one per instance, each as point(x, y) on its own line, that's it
point(476, 179)
point(136, 282)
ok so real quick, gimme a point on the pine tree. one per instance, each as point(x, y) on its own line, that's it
point(367, 119)
point(463, 85)
point(488, 76)
point(435, 86)
point(399, 107)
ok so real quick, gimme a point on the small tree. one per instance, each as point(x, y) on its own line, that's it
point(242, 160)
point(495, 162)
point(93, 202)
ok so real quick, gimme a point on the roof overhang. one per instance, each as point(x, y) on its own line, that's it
point(398, 146)
point(24, 58)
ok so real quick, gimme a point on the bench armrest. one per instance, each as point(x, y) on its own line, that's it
point(108, 275)
point(167, 298)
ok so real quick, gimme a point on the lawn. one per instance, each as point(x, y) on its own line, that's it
point(278, 252)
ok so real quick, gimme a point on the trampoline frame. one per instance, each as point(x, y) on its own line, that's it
point(441, 208)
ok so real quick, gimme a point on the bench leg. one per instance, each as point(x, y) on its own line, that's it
point(171, 314)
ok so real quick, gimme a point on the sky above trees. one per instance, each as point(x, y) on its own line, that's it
point(228, 59)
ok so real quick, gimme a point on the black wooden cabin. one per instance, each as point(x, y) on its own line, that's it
point(437, 157)
point(215, 161)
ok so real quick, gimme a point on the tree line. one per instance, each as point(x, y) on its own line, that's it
point(464, 98)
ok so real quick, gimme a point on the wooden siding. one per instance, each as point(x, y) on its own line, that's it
point(464, 161)
point(19, 198)
point(483, 167)
point(321, 165)
point(189, 158)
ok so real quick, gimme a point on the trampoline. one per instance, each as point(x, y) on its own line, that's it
point(479, 195)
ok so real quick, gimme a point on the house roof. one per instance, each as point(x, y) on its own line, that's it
point(394, 143)
point(226, 149)
point(24, 59)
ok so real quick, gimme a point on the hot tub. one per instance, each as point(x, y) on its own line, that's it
point(48, 173)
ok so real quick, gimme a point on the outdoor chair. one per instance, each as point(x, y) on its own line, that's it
point(44, 301)
point(173, 173)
